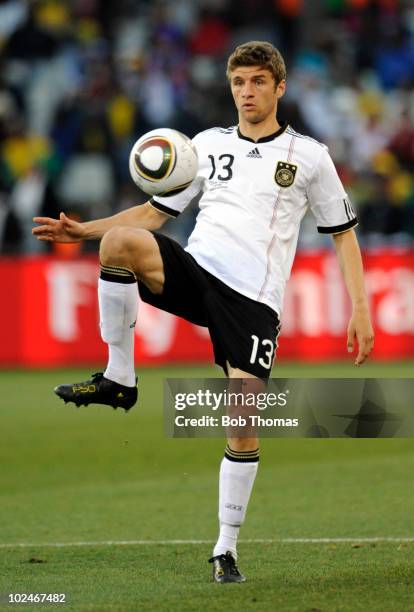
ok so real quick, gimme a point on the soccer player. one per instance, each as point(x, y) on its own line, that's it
point(258, 178)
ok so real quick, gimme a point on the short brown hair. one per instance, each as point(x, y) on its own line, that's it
point(258, 53)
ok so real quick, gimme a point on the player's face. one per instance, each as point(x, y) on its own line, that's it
point(255, 93)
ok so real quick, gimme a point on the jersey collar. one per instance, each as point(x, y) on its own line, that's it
point(269, 138)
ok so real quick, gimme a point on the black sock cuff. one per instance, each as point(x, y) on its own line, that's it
point(241, 456)
point(116, 274)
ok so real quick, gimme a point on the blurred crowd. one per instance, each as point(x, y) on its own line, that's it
point(81, 80)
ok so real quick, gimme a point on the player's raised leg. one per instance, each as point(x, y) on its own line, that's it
point(237, 475)
point(126, 254)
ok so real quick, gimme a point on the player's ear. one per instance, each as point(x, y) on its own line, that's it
point(280, 88)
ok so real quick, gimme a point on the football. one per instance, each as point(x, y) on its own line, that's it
point(163, 162)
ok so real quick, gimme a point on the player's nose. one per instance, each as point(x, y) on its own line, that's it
point(247, 91)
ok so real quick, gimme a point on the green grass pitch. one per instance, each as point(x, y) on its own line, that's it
point(97, 476)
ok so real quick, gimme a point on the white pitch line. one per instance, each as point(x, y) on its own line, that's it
point(354, 540)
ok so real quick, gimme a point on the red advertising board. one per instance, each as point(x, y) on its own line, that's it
point(49, 313)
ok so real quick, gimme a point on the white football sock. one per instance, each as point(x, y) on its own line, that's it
point(118, 307)
point(236, 483)
point(227, 540)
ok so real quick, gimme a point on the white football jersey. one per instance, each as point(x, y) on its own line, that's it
point(254, 197)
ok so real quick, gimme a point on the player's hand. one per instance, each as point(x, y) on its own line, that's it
point(58, 230)
point(360, 330)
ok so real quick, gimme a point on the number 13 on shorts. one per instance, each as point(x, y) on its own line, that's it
point(266, 348)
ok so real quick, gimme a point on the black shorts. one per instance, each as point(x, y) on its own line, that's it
point(243, 332)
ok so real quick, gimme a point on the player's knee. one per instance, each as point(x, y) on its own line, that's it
point(111, 244)
point(119, 246)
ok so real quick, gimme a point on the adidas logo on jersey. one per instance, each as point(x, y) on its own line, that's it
point(254, 153)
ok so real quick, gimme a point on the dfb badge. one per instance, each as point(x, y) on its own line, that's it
point(285, 174)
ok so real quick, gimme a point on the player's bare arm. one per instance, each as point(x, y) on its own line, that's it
point(359, 327)
point(64, 229)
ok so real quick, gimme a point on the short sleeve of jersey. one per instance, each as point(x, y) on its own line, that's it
point(328, 200)
point(175, 204)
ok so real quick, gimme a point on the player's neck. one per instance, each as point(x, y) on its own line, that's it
point(258, 130)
